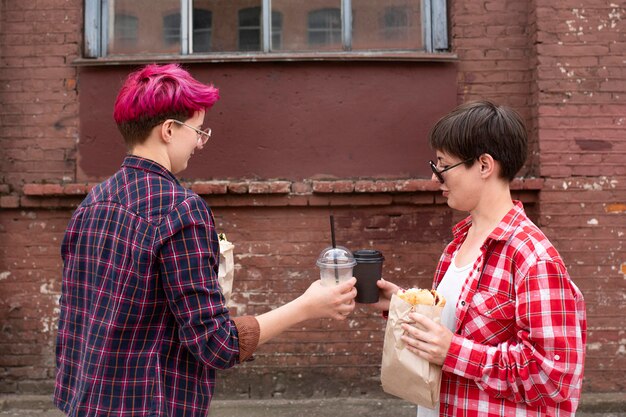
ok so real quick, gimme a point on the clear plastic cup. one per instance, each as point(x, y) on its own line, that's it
point(336, 265)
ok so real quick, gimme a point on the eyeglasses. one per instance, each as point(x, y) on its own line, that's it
point(203, 135)
point(438, 172)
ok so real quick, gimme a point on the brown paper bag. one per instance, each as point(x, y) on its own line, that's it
point(403, 373)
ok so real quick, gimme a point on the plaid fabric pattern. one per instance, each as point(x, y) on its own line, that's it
point(520, 334)
point(142, 324)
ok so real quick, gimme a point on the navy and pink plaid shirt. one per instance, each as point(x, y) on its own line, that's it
point(143, 324)
point(521, 328)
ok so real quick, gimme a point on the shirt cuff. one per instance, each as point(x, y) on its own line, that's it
point(249, 332)
point(465, 358)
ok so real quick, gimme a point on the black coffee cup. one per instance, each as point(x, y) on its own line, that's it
point(368, 270)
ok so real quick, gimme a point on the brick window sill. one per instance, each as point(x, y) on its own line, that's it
point(276, 193)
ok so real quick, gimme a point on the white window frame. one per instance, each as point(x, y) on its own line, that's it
point(434, 23)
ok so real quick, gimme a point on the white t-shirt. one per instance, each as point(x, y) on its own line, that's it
point(450, 287)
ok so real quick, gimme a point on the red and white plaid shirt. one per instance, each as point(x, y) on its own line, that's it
point(519, 344)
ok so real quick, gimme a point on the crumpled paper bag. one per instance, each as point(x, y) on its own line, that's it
point(226, 272)
point(403, 373)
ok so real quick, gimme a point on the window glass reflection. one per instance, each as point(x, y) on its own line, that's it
point(386, 24)
point(137, 27)
point(144, 27)
point(324, 28)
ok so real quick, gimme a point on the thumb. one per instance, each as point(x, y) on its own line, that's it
point(347, 286)
point(383, 285)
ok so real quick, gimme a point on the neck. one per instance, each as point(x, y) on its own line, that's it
point(494, 204)
point(152, 154)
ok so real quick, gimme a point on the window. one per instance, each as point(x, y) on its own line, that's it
point(186, 27)
point(171, 29)
point(395, 23)
point(202, 20)
point(250, 29)
point(324, 28)
point(125, 30)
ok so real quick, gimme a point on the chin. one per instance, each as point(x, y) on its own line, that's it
point(456, 205)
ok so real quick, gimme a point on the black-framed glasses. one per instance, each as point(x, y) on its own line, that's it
point(438, 173)
point(203, 135)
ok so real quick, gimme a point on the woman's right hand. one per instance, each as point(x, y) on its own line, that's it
point(335, 301)
point(387, 289)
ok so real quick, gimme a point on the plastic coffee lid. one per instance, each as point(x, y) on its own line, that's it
point(368, 255)
point(336, 256)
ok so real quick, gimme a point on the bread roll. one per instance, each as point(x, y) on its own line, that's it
point(422, 296)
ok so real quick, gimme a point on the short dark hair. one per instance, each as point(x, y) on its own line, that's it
point(480, 127)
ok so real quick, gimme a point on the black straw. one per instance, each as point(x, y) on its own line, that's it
point(332, 230)
point(332, 238)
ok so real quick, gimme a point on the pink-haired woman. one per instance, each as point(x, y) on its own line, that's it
point(143, 325)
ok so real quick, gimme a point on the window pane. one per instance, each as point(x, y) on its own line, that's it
point(202, 21)
point(125, 28)
point(224, 33)
point(386, 24)
point(306, 26)
point(171, 29)
point(324, 28)
point(202, 24)
point(138, 27)
point(250, 29)
point(277, 30)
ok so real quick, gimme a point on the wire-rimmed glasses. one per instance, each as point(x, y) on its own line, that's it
point(203, 135)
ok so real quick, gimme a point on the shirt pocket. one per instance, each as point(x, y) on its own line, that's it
point(491, 318)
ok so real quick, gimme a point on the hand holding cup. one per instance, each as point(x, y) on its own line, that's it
point(368, 271)
point(335, 302)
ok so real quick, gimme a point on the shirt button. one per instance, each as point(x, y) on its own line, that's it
point(463, 303)
point(557, 357)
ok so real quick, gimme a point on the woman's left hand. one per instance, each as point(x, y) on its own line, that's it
point(427, 339)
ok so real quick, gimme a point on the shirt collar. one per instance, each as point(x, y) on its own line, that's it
point(503, 230)
point(148, 165)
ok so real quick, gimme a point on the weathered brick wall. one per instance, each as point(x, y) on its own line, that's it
point(278, 237)
point(275, 260)
point(29, 288)
point(38, 132)
point(560, 65)
point(582, 141)
point(39, 40)
point(493, 40)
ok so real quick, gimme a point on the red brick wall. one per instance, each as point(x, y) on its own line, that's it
point(560, 65)
point(39, 94)
point(493, 40)
point(29, 284)
point(581, 111)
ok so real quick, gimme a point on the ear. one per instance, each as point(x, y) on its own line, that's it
point(487, 165)
point(166, 131)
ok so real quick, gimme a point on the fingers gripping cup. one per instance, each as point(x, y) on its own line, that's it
point(368, 270)
point(336, 265)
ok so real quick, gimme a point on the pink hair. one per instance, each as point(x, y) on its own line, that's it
point(156, 90)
